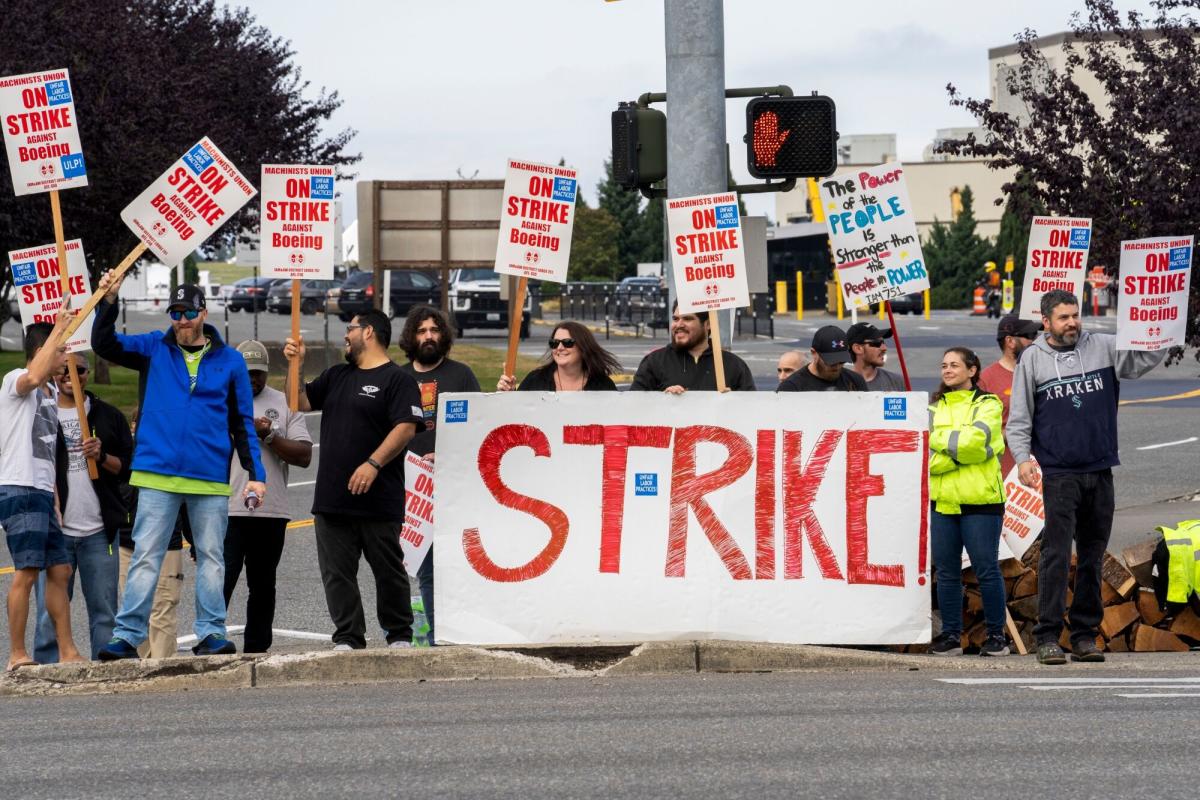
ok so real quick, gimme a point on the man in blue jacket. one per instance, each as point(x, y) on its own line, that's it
point(196, 408)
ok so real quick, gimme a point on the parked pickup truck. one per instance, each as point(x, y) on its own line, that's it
point(475, 301)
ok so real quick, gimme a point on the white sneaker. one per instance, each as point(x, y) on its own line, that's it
point(400, 644)
point(342, 646)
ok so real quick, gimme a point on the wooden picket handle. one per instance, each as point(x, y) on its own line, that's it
point(293, 376)
point(714, 327)
point(64, 282)
point(514, 327)
point(98, 295)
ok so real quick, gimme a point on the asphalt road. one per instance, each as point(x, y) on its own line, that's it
point(826, 735)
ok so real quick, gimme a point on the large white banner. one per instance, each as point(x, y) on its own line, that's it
point(182, 208)
point(38, 287)
point(297, 221)
point(592, 517)
point(708, 257)
point(1058, 252)
point(536, 221)
point(1152, 292)
point(41, 133)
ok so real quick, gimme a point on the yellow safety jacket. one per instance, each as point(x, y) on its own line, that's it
point(1183, 570)
point(966, 439)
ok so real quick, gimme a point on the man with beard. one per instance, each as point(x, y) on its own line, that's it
point(371, 411)
point(687, 363)
point(426, 340)
point(1064, 414)
point(826, 370)
point(1013, 334)
point(868, 352)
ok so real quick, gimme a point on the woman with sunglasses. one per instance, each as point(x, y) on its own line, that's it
point(575, 362)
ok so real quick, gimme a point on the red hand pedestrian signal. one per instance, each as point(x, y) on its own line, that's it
point(768, 139)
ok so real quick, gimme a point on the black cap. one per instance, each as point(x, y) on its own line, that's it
point(861, 332)
point(1013, 325)
point(830, 344)
point(188, 296)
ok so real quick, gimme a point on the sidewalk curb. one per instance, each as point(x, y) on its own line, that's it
point(450, 663)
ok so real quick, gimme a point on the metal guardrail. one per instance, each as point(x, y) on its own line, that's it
point(645, 308)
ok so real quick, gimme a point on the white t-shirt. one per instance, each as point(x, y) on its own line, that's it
point(28, 433)
point(82, 515)
point(272, 404)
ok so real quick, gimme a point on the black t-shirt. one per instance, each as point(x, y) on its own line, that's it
point(542, 380)
point(802, 380)
point(448, 376)
point(669, 366)
point(360, 408)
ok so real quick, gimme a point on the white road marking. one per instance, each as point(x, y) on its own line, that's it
point(1179, 694)
point(1130, 685)
point(929, 327)
point(1060, 681)
point(1169, 444)
point(301, 483)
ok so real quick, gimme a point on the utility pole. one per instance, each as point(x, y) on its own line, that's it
point(696, 152)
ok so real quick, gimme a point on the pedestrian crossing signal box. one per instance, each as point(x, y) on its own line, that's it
point(639, 146)
point(791, 137)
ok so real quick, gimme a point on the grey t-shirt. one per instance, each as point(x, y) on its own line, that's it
point(885, 381)
point(272, 404)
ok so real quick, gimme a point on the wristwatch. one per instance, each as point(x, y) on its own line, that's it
point(270, 437)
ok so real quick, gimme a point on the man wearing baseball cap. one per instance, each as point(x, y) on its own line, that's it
point(1013, 335)
point(255, 536)
point(196, 409)
point(869, 353)
point(826, 370)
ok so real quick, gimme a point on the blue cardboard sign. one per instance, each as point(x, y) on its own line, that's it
point(320, 187)
point(72, 165)
point(564, 189)
point(1081, 238)
point(1181, 258)
point(58, 92)
point(727, 216)
point(895, 408)
point(456, 410)
point(645, 484)
point(197, 159)
point(24, 273)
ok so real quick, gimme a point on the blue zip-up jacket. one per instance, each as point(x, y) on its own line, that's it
point(182, 433)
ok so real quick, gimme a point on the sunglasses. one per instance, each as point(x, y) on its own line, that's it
point(567, 343)
point(873, 342)
point(177, 314)
point(66, 371)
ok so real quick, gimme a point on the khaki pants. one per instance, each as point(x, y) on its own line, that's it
point(162, 642)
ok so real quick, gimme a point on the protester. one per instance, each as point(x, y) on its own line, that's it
point(687, 363)
point(789, 362)
point(28, 427)
point(826, 370)
point(162, 627)
point(869, 354)
point(966, 490)
point(1013, 334)
point(196, 409)
point(574, 362)
point(92, 510)
point(426, 340)
point(255, 535)
point(371, 410)
point(1064, 414)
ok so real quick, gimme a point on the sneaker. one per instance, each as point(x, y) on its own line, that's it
point(342, 647)
point(400, 644)
point(996, 645)
point(947, 645)
point(214, 645)
point(1050, 653)
point(1086, 650)
point(117, 649)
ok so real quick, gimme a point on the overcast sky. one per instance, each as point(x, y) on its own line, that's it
point(435, 87)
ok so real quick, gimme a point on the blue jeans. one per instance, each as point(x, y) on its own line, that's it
point(95, 562)
point(152, 527)
point(425, 579)
point(980, 534)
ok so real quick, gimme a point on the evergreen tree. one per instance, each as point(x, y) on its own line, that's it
point(955, 255)
point(594, 253)
point(1021, 207)
point(622, 207)
point(650, 232)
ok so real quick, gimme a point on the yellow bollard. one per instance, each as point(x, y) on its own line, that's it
point(926, 293)
point(882, 310)
point(799, 295)
point(781, 297)
point(841, 304)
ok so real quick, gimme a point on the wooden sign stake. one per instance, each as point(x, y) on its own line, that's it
point(514, 326)
point(714, 327)
point(293, 377)
point(98, 295)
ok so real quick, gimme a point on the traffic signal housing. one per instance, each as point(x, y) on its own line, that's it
point(639, 146)
point(791, 137)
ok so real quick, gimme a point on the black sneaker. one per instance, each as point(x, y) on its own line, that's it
point(996, 645)
point(947, 645)
point(1086, 650)
point(215, 645)
point(1050, 653)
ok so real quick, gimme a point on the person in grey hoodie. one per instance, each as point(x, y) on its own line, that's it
point(1062, 429)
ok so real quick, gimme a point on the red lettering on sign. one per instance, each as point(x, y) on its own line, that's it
point(764, 508)
point(861, 484)
point(688, 490)
point(800, 485)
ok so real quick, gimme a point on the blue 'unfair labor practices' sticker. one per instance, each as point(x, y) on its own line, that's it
point(727, 216)
point(24, 273)
point(1080, 238)
point(645, 484)
point(321, 187)
point(895, 408)
point(564, 189)
point(58, 92)
point(72, 166)
point(456, 411)
point(1181, 258)
point(197, 159)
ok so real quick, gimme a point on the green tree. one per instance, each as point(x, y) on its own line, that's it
point(1021, 206)
point(955, 256)
point(622, 206)
point(650, 232)
point(594, 252)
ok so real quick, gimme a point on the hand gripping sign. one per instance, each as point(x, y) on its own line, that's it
point(575, 517)
point(40, 132)
point(1152, 292)
point(1058, 251)
point(873, 235)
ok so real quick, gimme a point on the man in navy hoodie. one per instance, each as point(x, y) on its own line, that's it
point(196, 408)
point(1063, 413)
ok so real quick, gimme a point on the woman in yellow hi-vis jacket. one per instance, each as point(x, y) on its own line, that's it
point(966, 490)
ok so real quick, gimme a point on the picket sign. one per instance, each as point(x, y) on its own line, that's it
point(1058, 252)
point(1152, 295)
point(416, 532)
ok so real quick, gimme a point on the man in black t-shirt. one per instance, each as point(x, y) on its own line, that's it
point(426, 340)
point(687, 363)
point(371, 410)
point(826, 370)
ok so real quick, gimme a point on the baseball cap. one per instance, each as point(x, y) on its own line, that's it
point(830, 344)
point(1013, 325)
point(188, 296)
point(861, 332)
point(255, 354)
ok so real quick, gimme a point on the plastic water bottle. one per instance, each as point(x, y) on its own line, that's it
point(252, 501)
point(420, 623)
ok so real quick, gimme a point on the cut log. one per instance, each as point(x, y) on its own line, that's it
point(976, 635)
point(1011, 568)
point(1120, 644)
point(1108, 595)
point(1026, 585)
point(1116, 576)
point(1025, 608)
point(974, 602)
point(1148, 608)
point(1030, 559)
point(1119, 617)
point(1152, 640)
point(1186, 624)
point(968, 577)
point(1139, 560)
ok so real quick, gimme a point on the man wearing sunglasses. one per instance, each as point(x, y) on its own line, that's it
point(196, 409)
point(1013, 335)
point(869, 354)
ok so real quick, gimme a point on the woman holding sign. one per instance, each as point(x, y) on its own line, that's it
point(967, 492)
point(575, 362)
